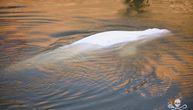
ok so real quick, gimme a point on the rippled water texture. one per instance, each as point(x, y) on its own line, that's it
point(37, 73)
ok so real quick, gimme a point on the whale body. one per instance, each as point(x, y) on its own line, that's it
point(109, 38)
point(99, 42)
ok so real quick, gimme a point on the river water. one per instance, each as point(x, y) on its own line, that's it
point(133, 77)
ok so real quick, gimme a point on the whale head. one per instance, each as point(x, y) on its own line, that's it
point(156, 32)
point(151, 34)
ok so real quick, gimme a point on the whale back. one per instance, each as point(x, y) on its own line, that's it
point(109, 38)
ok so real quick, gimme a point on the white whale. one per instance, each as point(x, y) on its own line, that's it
point(101, 41)
point(109, 38)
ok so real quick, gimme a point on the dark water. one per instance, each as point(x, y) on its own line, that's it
point(37, 74)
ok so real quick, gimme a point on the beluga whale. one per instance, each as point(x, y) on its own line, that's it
point(99, 41)
point(109, 38)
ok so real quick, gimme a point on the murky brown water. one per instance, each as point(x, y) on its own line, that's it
point(117, 78)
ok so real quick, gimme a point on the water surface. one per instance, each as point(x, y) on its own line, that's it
point(142, 77)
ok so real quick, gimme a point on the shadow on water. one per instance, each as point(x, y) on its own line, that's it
point(11, 7)
point(136, 5)
point(69, 33)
